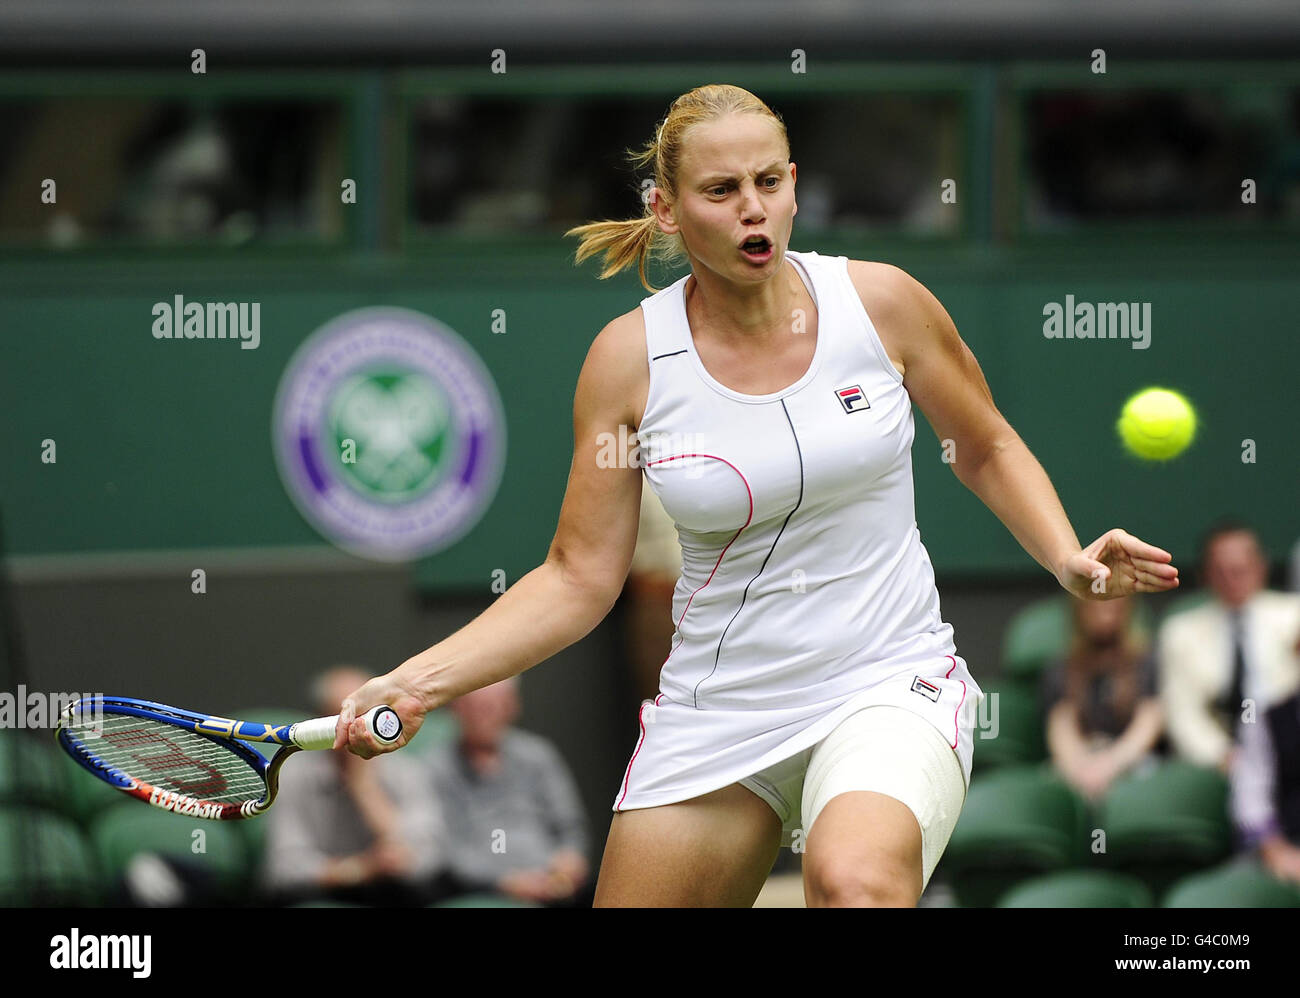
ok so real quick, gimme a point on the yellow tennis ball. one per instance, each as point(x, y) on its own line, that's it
point(1157, 424)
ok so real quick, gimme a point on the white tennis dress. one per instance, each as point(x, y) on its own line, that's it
point(805, 592)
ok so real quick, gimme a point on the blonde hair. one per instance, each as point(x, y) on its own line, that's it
point(635, 239)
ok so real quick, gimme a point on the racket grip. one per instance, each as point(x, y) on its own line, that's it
point(318, 733)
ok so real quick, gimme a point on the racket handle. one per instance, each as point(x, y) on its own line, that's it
point(318, 733)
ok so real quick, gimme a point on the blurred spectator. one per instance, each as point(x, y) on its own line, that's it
point(515, 823)
point(509, 163)
point(1103, 716)
point(1139, 154)
point(656, 565)
point(349, 829)
point(1242, 645)
point(164, 168)
point(1265, 794)
point(187, 188)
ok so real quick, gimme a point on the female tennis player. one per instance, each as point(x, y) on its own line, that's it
point(812, 695)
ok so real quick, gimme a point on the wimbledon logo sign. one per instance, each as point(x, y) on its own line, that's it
point(389, 433)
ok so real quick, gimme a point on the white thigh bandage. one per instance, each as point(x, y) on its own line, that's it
point(895, 752)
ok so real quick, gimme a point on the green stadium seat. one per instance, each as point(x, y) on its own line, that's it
point(486, 900)
point(87, 796)
point(1239, 883)
point(1017, 822)
point(1079, 889)
point(1182, 601)
point(1035, 636)
point(30, 770)
point(253, 831)
point(1040, 633)
point(132, 827)
point(324, 904)
point(45, 861)
point(1165, 821)
point(1012, 710)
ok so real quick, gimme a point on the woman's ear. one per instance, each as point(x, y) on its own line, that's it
point(663, 211)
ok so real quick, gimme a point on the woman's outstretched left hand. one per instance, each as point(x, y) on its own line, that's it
point(1118, 564)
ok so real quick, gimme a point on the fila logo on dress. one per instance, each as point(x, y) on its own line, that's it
point(926, 689)
point(852, 398)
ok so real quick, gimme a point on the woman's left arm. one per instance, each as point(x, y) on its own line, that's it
point(944, 379)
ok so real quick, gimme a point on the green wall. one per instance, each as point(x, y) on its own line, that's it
point(165, 445)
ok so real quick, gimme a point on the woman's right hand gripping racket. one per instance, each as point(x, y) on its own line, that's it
point(194, 764)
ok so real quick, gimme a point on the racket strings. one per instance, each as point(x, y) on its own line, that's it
point(171, 758)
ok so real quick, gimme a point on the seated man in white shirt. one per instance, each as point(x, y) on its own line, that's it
point(1233, 656)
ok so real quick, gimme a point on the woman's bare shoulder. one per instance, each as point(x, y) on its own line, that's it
point(883, 286)
point(618, 360)
point(889, 296)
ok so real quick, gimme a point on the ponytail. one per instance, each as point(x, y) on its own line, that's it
point(636, 239)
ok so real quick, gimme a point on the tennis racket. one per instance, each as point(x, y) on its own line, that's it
point(192, 764)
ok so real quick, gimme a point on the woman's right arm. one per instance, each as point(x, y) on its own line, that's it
point(565, 597)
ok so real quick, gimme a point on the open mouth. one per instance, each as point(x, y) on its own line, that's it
point(756, 246)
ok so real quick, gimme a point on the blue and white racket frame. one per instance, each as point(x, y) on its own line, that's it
point(230, 734)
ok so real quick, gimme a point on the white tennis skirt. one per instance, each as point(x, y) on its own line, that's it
point(798, 758)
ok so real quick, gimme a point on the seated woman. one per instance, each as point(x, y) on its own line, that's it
point(1103, 716)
